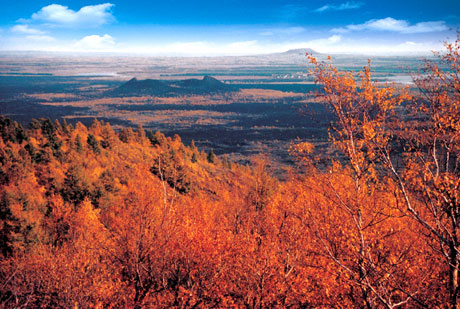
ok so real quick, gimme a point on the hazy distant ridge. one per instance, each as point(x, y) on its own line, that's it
point(300, 52)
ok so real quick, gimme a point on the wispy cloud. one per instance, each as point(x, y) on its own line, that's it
point(32, 34)
point(340, 7)
point(60, 15)
point(402, 48)
point(25, 29)
point(199, 48)
point(327, 41)
point(334, 44)
point(252, 47)
point(41, 38)
point(395, 25)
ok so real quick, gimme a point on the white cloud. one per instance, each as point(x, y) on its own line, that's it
point(395, 25)
point(341, 7)
point(334, 44)
point(385, 49)
point(32, 34)
point(199, 48)
point(242, 48)
point(95, 43)
point(25, 29)
point(332, 39)
point(242, 45)
point(87, 16)
point(41, 38)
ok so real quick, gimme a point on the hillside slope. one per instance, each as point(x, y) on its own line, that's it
point(95, 218)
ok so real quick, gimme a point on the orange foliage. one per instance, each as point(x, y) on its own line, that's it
point(91, 217)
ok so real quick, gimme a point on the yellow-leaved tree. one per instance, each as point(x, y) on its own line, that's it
point(411, 142)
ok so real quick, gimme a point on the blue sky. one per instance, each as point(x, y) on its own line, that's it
point(228, 27)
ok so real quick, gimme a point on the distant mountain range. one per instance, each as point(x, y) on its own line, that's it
point(155, 87)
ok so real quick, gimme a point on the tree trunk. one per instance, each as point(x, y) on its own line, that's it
point(453, 275)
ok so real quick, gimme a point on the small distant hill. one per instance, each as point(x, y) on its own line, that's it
point(289, 57)
point(299, 52)
point(155, 87)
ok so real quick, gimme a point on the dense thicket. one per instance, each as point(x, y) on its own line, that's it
point(138, 222)
point(95, 218)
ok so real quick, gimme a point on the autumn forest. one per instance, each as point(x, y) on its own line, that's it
point(97, 217)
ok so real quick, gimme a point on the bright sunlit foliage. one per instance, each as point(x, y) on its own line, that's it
point(91, 217)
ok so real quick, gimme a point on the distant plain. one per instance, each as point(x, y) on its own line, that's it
point(273, 107)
